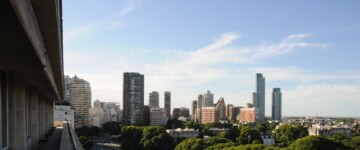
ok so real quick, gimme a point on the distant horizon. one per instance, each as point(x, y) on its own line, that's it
point(309, 51)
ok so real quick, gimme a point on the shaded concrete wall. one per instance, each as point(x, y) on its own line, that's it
point(27, 133)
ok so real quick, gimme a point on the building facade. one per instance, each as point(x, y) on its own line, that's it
point(146, 115)
point(133, 98)
point(199, 107)
point(220, 104)
point(248, 114)
point(31, 71)
point(167, 103)
point(276, 104)
point(80, 99)
point(154, 99)
point(181, 112)
point(63, 113)
point(230, 112)
point(158, 117)
point(208, 99)
point(259, 96)
point(193, 110)
point(209, 115)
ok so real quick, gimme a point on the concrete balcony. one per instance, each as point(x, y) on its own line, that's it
point(61, 138)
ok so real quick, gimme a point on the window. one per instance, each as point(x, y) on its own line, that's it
point(4, 108)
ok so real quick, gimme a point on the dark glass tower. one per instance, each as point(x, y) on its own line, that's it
point(259, 96)
point(276, 104)
point(167, 103)
point(133, 98)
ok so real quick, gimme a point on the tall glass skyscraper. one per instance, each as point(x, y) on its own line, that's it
point(276, 104)
point(167, 103)
point(133, 98)
point(259, 96)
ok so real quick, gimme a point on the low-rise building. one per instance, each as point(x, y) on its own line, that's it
point(268, 139)
point(185, 133)
point(63, 113)
point(329, 130)
point(158, 117)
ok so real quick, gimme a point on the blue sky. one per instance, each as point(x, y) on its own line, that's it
point(308, 49)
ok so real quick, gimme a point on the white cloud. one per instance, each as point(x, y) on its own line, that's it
point(322, 99)
point(130, 6)
point(188, 73)
point(295, 74)
point(115, 20)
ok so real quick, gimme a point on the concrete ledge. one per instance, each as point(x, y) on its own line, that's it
point(69, 139)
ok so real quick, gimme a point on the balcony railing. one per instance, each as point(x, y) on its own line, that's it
point(69, 139)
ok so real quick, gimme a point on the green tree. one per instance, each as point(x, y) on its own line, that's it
point(262, 127)
point(192, 124)
point(286, 134)
point(248, 135)
point(88, 131)
point(174, 123)
point(130, 137)
point(246, 147)
point(337, 137)
point(155, 137)
point(232, 134)
point(113, 128)
point(354, 142)
point(216, 140)
point(220, 146)
point(316, 143)
point(191, 144)
point(86, 143)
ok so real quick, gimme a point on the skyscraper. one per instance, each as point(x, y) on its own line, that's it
point(154, 99)
point(230, 111)
point(167, 103)
point(259, 97)
point(198, 109)
point(133, 98)
point(208, 99)
point(80, 98)
point(222, 108)
point(193, 109)
point(276, 104)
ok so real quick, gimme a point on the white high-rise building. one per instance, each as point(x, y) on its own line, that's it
point(276, 104)
point(80, 99)
point(259, 97)
point(97, 114)
point(154, 99)
point(208, 99)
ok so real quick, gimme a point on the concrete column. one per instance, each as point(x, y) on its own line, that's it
point(19, 112)
point(35, 119)
point(41, 117)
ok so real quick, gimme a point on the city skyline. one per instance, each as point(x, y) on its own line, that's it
point(311, 56)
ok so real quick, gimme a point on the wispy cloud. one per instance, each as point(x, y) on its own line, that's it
point(295, 74)
point(115, 20)
point(130, 6)
point(207, 64)
point(322, 99)
point(188, 73)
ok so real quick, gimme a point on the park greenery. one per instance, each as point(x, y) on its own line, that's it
point(235, 138)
